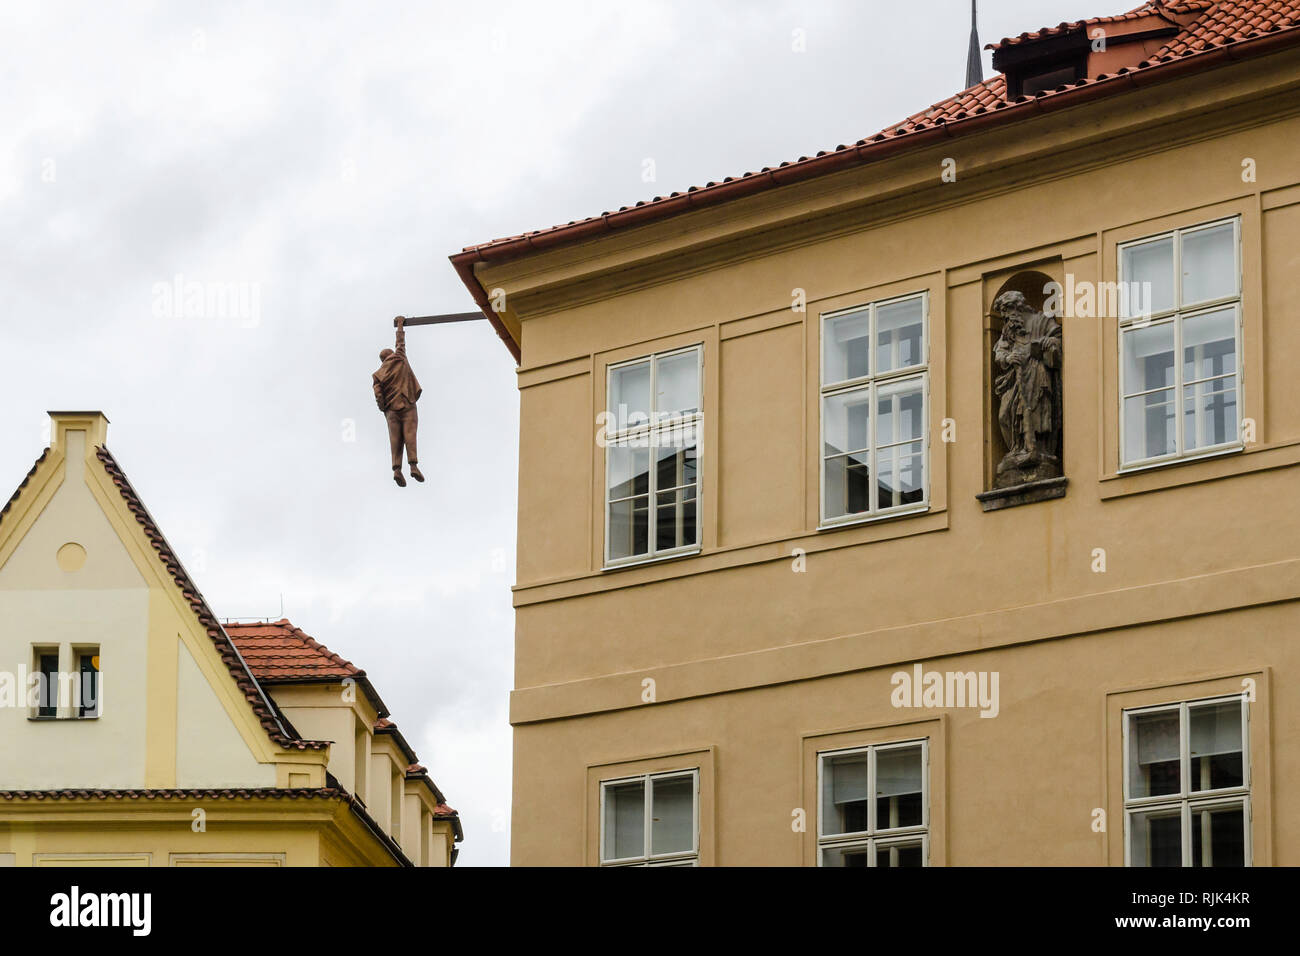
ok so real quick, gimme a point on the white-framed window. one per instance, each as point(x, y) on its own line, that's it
point(1180, 344)
point(69, 684)
point(651, 437)
point(652, 819)
point(874, 410)
point(874, 805)
point(1187, 783)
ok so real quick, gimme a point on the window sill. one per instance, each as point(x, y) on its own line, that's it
point(50, 719)
point(1173, 462)
point(657, 559)
point(874, 519)
point(1226, 463)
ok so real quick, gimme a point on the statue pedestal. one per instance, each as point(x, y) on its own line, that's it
point(1044, 489)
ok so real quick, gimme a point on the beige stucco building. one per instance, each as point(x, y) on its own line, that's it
point(140, 731)
point(755, 420)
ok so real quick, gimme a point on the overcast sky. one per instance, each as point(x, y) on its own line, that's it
point(317, 163)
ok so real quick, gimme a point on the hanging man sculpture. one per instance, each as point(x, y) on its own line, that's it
point(1029, 390)
point(396, 392)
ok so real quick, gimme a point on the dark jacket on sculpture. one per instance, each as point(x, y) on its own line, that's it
point(396, 387)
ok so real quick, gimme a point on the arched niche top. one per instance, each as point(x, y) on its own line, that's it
point(1033, 285)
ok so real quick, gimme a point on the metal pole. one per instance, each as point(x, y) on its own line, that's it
point(440, 319)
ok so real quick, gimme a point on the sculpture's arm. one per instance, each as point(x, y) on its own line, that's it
point(379, 395)
point(401, 339)
point(1051, 347)
point(1002, 352)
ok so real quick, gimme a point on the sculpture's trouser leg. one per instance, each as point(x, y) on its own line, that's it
point(395, 436)
point(410, 421)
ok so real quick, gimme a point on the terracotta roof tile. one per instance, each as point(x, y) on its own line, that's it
point(1206, 27)
point(230, 656)
point(1165, 10)
point(277, 651)
point(23, 484)
point(1231, 22)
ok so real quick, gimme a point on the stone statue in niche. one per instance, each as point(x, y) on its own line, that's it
point(1028, 387)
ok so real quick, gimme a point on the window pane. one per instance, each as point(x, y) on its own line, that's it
point(672, 828)
point(624, 820)
point(900, 476)
point(88, 696)
point(1151, 267)
point(846, 346)
point(899, 413)
point(1148, 358)
point(846, 420)
point(848, 485)
point(1153, 754)
point(675, 519)
point(629, 528)
point(1215, 741)
point(844, 794)
point(675, 466)
point(1209, 264)
point(1219, 836)
point(629, 394)
point(629, 471)
point(49, 686)
point(898, 334)
point(852, 856)
point(1156, 838)
point(899, 854)
point(1210, 413)
point(1210, 345)
point(1149, 426)
point(677, 380)
point(898, 788)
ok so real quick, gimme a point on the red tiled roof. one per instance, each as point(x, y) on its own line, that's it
point(230, 656)
point(1224, 23)
point(278, 651)
point(1165, 10)
point(1247, 26)
point(1231, 22)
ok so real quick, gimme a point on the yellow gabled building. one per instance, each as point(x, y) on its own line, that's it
point(140, 731)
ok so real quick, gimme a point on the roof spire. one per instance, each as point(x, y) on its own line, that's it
point(974, 64)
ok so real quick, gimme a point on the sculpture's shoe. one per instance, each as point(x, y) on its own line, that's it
point(415, 473)
point(397, 477)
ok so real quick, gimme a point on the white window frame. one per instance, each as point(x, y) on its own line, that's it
point(1186, 800)
point(651, 431)
point(1175, 316)
point(689, 857)
point(869, 383)
point(875, 838)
